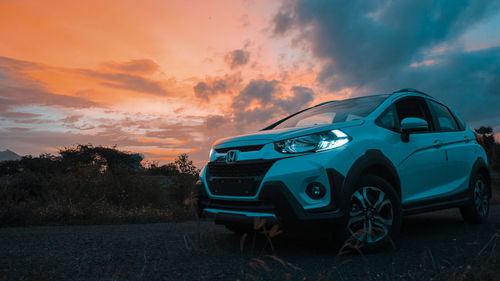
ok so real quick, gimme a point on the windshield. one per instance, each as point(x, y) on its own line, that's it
point(333, 112)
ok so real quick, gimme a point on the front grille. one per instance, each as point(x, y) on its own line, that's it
point(236, 179)
point(240, 148)
point(242, 169)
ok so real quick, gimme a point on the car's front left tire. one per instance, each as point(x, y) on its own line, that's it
point(373, 214)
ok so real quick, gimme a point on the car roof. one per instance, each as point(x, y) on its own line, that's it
point(361, 97)
point(396, 94)
point(410, 90)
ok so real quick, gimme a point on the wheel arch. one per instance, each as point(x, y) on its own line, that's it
point(376, 163)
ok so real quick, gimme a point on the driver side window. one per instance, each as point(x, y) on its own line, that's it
point(388, 119)
point(413, 107)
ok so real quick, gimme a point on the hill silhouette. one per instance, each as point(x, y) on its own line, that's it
point(8, 155)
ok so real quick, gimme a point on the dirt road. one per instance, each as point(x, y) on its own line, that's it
point(430, 245)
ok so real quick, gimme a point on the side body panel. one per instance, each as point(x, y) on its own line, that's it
point(422, 168)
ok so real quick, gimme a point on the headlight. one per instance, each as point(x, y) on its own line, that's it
point(313, 143)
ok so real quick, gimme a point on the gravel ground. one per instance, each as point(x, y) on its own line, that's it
point(431, 245)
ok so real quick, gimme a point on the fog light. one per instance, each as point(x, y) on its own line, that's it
point(315, 190)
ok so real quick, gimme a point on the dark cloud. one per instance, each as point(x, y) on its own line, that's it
point(124, 81)
point(71, 119)
point(213, 86)
point(17, 129)
point(301, 96)
point(215, 121)
point(204, 91)
point(371, 46)
point(136, 66)
point(282, 21)
point(17, 89)
point(467, 81)
point(172, 131)
point(364, 41)
point(260, 90)
point(261, 101)
point(12, 96)
point(9, 65)
point(237, 58)
point(16, 72)
point(18, 115)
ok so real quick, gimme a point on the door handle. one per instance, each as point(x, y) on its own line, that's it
point(467, 139)
point(437, 143)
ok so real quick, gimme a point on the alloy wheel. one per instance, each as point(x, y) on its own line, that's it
point(481, 198)
point(371, 215)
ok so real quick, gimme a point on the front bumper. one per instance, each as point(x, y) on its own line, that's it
point(275, 204)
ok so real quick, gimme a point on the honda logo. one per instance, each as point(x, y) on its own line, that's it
point(232, 156)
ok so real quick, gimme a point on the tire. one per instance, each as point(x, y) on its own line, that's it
point(373, 215)
point(477, 212)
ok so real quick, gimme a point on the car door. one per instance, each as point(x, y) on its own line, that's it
point(458, 146)
point(422, 160)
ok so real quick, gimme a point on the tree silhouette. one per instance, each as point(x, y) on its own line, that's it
point(487, 136)
point(490, 146)
point(186, 166)
point(101, 157)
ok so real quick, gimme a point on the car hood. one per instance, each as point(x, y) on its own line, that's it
point(267, 136)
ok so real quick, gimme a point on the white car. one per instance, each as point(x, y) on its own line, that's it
point(356, 166)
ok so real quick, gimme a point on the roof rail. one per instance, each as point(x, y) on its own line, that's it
point(325, 103)
point(410, 90)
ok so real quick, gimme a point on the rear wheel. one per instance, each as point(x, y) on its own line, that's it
point(374, 214)
point(478, 210)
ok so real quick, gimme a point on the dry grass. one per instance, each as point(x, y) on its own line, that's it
point(94, 198)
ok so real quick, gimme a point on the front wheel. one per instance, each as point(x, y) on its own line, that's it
point(374, 214)
point(478, 211)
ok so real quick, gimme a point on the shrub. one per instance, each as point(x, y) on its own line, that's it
point(87, 184)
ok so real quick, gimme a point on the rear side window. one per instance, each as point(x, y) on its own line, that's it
point(460, 121)
point(446, 121)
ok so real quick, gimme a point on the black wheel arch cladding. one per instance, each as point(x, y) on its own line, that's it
point(376, 163)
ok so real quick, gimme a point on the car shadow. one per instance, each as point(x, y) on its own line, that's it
point(427, 224)
point(414, 228)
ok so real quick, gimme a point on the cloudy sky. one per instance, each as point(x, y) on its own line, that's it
point(167, 77)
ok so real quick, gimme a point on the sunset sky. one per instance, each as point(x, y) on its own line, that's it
point(166, 77)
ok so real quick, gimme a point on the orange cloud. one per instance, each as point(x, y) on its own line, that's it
point(134, 66)
point(170, 151)
point(158, 140)
point(162, 80)
point(164, 158)
point(50, 149)
point(423, 63)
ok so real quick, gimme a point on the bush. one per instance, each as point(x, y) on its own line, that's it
point(492, 148)
point(87, 184)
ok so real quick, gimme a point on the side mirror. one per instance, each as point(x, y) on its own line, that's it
point(412, 125)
